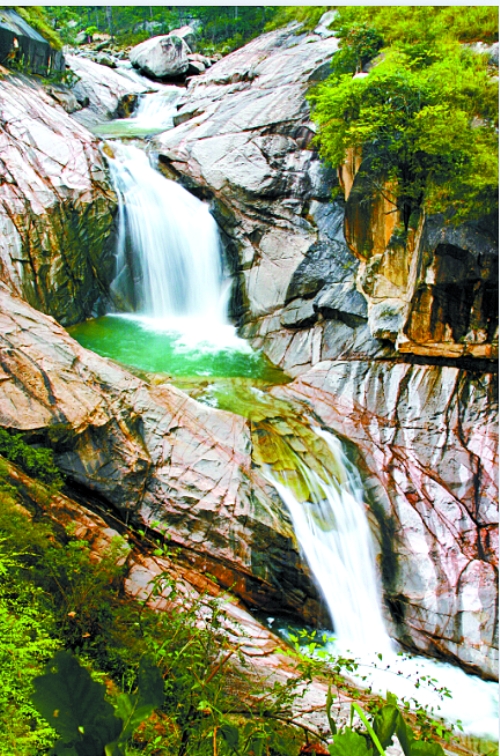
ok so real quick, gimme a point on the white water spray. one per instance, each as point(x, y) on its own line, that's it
point(168, 246)
point(156, 111)
point(333, 532)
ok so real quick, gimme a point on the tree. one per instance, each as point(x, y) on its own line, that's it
point(424, 119)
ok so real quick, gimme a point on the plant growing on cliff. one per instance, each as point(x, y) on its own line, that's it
point(37, 461)
point(424, 118)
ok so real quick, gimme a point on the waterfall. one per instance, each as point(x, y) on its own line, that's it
point(333, 533)
point(168, 245)
point(156, 111)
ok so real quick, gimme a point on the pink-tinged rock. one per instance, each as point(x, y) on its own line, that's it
point(421, 432)
point(56, 205)
point(155, 455)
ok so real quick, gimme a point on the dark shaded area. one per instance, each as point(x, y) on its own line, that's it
point(24, 48)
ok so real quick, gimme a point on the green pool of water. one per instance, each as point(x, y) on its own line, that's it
point(139, 344)
point(125, 128)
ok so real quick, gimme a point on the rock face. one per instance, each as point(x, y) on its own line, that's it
point(331, 294)
point(101, 91)
point(427, 444)
point(56, 205)
point(243, 137)
point(162, 57)
point(154, 454)
point(431, 288)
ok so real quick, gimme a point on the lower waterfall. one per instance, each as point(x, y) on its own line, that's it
point(333, 533)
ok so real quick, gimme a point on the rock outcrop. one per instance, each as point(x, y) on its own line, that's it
point(340, 312)
point(327, 289)
point(431, 287)
point(56, 205)
point(162, 58)
point(154, 455)
point(102, 92)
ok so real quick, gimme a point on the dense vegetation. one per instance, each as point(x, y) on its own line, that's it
point(160, 684)
point(222, 28)
point(418, 104)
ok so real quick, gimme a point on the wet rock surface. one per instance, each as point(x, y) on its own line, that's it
point(56, 205)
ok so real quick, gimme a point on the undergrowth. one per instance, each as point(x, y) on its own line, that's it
point(64, 615)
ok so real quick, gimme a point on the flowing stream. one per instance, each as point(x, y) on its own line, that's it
point(171, 286)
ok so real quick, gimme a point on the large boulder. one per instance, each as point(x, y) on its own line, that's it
point(101, 91)
point(161, 58)
point(56, 206)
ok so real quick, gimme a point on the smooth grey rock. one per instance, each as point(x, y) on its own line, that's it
point(99, 89)
point(342, 301)
point(386, 319)
point(160, 58)
point(325, 263)
point(188, 34)
point(298, 314)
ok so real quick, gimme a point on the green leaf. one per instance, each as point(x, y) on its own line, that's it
point(150, 684)
point(329, 704)
point(231, 735)
point(385, 723)
point(70, 700)
point(426, 748)
point(405, 736)
point(132, 714)
point(350, 743)
point(60, 749)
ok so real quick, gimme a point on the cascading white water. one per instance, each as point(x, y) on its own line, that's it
point(174, 243)
point(156, 111)
point(333, 533)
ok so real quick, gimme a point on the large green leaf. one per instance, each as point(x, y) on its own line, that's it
point(425, 748)
point(385, 723)
point(134, 709)
point(150, 684)
point(74, 705)
point(231, 735)
point(350, 743)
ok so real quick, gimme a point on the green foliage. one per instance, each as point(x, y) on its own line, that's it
point(375, 736)
point(224, 28)
point(308, 15)
point(35, 461)
point(74, 704)
point(37, 17)
point(25, 644)
point(424, 118)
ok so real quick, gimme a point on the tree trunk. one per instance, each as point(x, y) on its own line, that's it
point(109, 19)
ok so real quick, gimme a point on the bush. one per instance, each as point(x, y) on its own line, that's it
point(424, 118)
point(35, 461)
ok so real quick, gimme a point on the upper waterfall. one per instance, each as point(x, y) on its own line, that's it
point(168, 257)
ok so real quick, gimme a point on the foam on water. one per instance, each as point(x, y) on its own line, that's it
point(333, 533)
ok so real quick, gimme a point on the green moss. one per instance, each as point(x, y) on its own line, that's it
point(35, 16)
